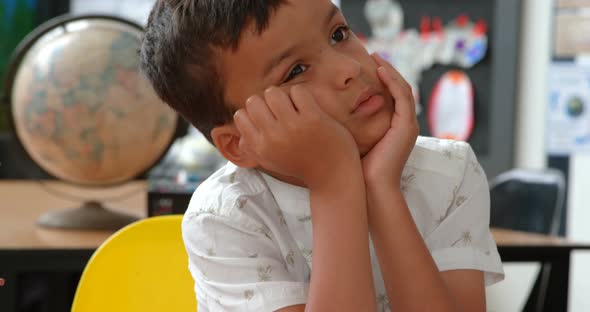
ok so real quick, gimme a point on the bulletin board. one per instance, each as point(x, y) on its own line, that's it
point(568, 116)
point(494, 79)
point(17, 19)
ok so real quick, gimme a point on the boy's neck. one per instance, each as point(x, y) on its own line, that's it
point(283, 178)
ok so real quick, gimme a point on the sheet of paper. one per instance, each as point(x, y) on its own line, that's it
point(568, 118)
point(135, 10)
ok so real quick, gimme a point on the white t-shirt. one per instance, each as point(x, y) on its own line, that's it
point(249, 235)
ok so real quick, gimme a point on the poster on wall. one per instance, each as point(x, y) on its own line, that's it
point(568, 119)
point(571, 28)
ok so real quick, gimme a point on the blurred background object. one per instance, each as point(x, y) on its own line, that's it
point(83, 112)
point(171, 183)
point(530, 200)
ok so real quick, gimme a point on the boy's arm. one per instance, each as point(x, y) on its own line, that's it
point(341, 278)
point(293, 137)
point(411, 276)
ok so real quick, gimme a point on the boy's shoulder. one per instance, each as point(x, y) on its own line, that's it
point(226, 191)
point(440, 176)
point(445, 157)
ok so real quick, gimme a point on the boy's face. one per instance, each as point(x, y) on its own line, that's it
point(307, 42)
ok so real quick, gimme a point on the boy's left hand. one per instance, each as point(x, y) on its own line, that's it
point(383, 165)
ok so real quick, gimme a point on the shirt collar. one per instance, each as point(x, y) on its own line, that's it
point(290, 198)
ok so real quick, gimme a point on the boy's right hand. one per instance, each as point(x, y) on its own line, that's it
point(292, 136)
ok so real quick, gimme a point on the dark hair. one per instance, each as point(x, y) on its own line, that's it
point(177, 54)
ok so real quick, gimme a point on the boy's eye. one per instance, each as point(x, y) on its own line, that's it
point(298, 69)
point(342, 33)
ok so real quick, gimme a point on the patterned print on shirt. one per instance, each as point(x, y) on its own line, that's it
point(451, 203)
point(307, 253)
point(476, 167)
point(406, 181)
point(210, 210)
point(305, 218)
point(290, 258)
point(242, 202)
point(460, 200)
point(465, 238)
point(453, 198)
point(263, 229)
point(204, 275)
point(282, 218)
point(264, 273)
point(383, 303)
point(248, 294)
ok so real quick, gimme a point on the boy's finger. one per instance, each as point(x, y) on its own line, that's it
point(392, 71)
point(279, 103)
point(303, 101)
point(259, 113)
point(247, 129)
point(404, 104)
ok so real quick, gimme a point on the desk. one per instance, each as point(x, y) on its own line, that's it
point(516, 246)
point(24, 247)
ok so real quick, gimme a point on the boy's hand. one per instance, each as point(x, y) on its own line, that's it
point(292, 136)
point(384, 163)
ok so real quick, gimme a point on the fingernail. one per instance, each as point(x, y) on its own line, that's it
point(382, 70)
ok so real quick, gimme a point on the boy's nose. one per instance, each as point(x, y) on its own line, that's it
point(343, 70)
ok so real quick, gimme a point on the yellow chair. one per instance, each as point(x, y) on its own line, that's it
point(142, 267)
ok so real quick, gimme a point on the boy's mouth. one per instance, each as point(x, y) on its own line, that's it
point(368, 102)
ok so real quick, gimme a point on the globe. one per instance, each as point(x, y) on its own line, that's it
point(81, 109)
point(575, 106)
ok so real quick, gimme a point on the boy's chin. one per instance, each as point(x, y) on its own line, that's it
point(374, 136)
point(366, 147)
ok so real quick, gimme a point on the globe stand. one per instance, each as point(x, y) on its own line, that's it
point(92, 215)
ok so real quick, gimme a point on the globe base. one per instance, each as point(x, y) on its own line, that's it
point(91, 216)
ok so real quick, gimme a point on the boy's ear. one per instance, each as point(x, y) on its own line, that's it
point(227, 139)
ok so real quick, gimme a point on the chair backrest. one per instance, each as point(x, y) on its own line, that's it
point(528, 200)
point(142, 267)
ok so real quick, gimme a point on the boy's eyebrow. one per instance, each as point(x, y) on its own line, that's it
point(286, 53)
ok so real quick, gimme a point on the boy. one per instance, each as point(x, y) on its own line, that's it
point(322, 145)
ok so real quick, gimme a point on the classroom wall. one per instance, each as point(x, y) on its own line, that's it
point(529, 151)
point(530, 142)
point(534, 57)
point(578, 218)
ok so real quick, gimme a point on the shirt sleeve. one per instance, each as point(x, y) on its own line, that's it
point(237, 266)
point(463, 240)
